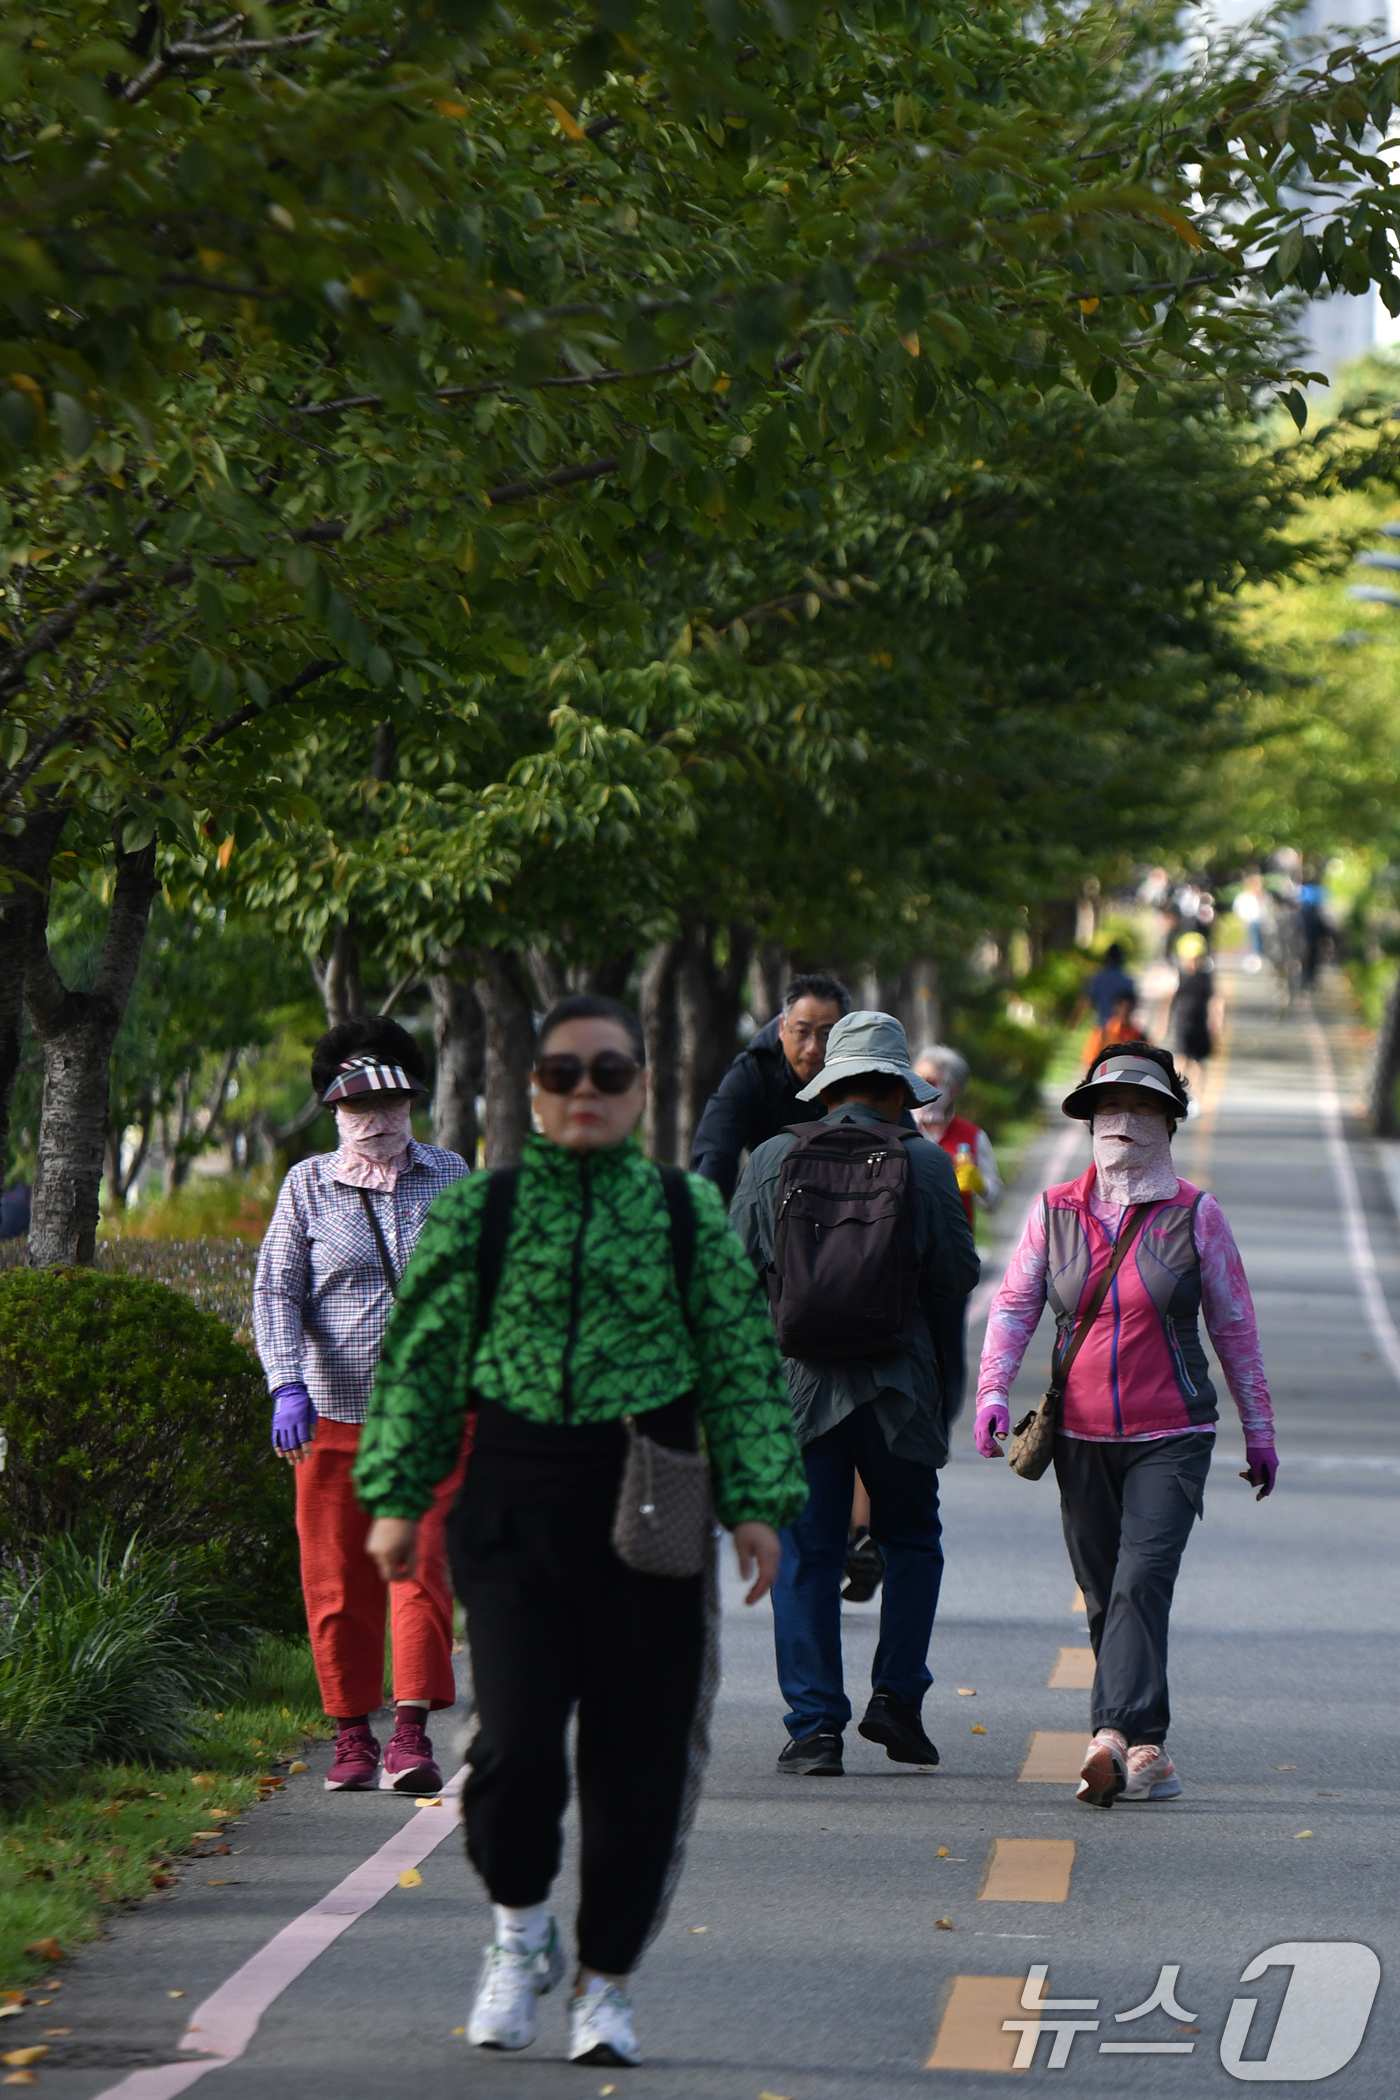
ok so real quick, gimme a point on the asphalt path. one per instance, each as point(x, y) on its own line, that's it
point(804, 1956)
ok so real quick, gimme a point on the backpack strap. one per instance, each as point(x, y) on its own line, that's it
point(380, 1242)
point(680, 1212)
point(491, 1247)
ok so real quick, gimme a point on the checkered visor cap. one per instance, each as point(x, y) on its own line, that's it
point(361, 1076)
point(1120, 1069)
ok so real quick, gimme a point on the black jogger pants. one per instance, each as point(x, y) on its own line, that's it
point(555, 1621)
point(1127, 1510)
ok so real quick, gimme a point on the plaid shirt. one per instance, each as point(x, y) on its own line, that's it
point(320, 1300)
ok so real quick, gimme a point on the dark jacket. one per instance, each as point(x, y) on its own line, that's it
point(906, 1392)
point(756, 1098)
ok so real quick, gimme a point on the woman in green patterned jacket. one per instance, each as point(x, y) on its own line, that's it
point(584, 1254)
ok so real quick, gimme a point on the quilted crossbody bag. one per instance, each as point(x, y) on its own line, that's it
point(1032, 1444)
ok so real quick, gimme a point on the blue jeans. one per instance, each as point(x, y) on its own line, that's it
point(807, 1595)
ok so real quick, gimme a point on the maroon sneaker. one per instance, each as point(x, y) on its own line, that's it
point(409, 1767)
point(355, 1762)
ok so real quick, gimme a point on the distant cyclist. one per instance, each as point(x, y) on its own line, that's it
point(1137, 1420)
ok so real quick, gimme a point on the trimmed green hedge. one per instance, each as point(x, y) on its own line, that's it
point(129, 1412)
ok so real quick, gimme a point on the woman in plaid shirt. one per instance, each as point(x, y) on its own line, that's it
point(345, 1224)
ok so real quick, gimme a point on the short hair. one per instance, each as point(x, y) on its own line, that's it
point(374, 1033)
point(592, 1006)
point(948, 1060)
point(1163, 1059)
point(816, 984)
point(1113, 953)
point(881, 1083)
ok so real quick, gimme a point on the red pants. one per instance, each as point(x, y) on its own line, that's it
point(345, 1598)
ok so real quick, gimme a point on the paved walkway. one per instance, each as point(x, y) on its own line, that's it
point(805, 1956)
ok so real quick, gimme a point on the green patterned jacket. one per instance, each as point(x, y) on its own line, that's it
point(586, 1326)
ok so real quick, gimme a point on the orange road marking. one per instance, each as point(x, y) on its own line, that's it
point(969, 2033)
point(1073, 1672)
point(1028, 1870)
point(1054, 1755)
point(1078, 1604)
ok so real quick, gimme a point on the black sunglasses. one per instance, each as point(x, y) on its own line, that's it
point(610, 1071)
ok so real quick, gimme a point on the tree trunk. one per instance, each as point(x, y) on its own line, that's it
point(25, 860)
point(711, 1000)
point(459, 1036)
point(338, 978)
point(772, 967)
point(611, 977)
point(504, 993)
point(77, 1030)
point(1386, 1070)
point(661, 1026)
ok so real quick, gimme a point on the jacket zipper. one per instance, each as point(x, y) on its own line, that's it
point(575, 1283)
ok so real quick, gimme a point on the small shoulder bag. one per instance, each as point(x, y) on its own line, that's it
point(1032, 1444)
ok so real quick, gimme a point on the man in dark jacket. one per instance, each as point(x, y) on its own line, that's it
point(884, 1417)
point(758, 1095)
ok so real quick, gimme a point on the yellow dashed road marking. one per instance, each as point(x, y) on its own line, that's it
point(1055, 1756)
point(969, 2033)
point(1078, 1604)
point(1073, 1672)
point(1028, 1870)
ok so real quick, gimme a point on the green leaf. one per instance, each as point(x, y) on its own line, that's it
point(75, 424)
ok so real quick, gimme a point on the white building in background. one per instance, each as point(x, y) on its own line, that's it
point(1339, 328)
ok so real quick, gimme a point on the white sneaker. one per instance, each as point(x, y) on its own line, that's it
point(506, 2012)
point(1104, 1773)
point(601, 2022)
point(1151, 1775)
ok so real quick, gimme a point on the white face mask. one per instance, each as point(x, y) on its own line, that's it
point(1133, 1155)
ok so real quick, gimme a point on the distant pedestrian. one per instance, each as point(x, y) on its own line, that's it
point(1195, 1014)
point(1109, 983)
point(760, 1093)
point(979, 1185)
point(860, 1232)
point(1120, 1027)
point(344, 1227)
point(1251, 907)
point(14, 1212)
point(1137, 1417)
point(563, 1300)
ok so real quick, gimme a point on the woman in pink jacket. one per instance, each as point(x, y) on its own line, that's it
point(1137, 1419)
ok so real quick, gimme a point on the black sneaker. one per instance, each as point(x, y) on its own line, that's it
point(816, 1756)
point(864, 1569)
point(896, 1724)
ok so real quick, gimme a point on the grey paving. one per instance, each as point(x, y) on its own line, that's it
point(803, 1958)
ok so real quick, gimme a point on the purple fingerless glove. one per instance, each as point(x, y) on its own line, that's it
point(993, 1420)
point(293, 1417)
point(1261, 1462)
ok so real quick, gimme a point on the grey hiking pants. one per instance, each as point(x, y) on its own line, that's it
point(1127, 1511)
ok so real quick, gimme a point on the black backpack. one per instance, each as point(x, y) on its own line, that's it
point(844, 1278)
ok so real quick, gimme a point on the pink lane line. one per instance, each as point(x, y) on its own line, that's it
point(222, 2027)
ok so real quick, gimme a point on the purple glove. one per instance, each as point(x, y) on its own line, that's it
point(993, 1420)
point(293, 1417)
point(1261, 1461)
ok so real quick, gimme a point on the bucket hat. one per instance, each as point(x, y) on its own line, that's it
point(370, 1075)
point(1118, 1068)
point(868, 1042)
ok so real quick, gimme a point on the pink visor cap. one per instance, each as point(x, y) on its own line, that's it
point(1119, 1068)
point(369, 1075)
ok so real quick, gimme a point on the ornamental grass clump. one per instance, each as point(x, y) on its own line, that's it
point(127, 1411)
point(105, 1656)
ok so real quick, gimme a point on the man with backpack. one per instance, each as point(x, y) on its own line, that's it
point(857, 1227)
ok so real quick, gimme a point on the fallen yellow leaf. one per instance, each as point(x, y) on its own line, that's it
point(978, 1729)
point(945, 1924)
point(45, 1950)
point(1302, 1833)
point(966, 1691)
point(774, 2096)
point(33, 2055)
point(19, 2078)
point(697, 1928)
point(203, 1836)
point(298, 1764)
point(943, 1852)
point(423, 1800)
point(410, 1878)
point(174, 1994)
point(459, 2030)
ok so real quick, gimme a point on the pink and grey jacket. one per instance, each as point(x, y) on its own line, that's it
point(1141, 1371)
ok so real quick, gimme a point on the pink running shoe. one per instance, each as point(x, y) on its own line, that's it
point(1151, 1775)
point(409, 1766)
point(355, 1762)
point(1104, 1773)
